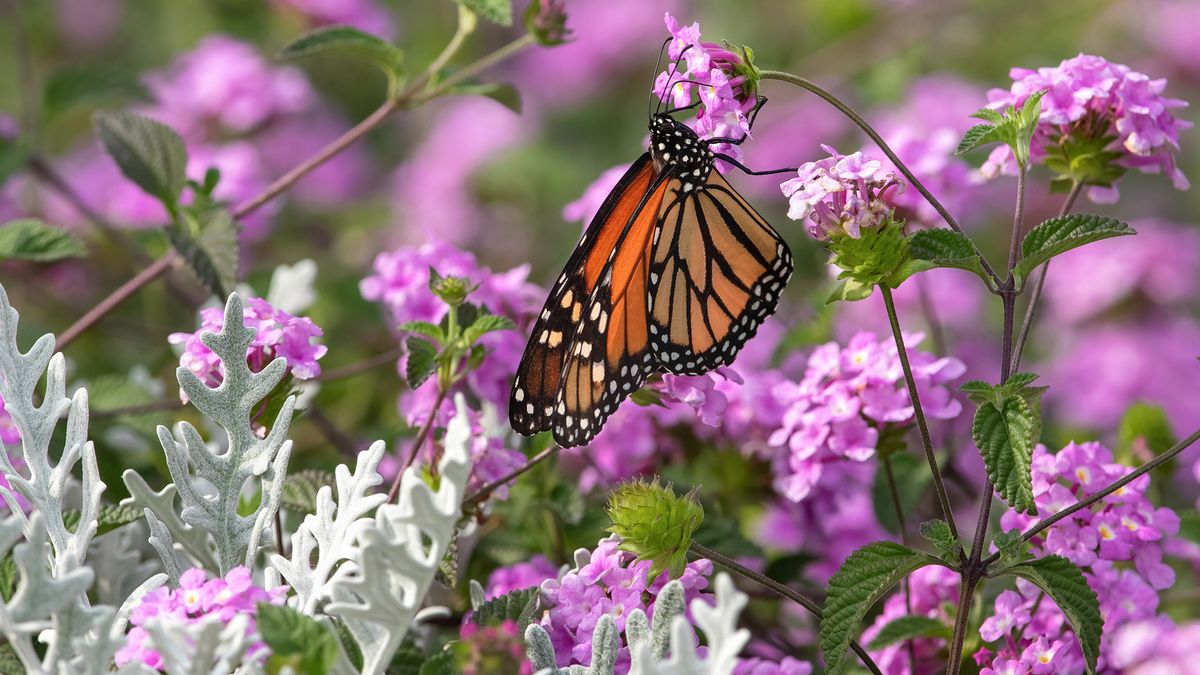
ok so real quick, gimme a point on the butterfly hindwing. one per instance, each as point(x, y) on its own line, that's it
point(539, 375)
point(716, 272)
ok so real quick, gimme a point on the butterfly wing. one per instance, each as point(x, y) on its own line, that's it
point(536, 388)
point(716, 272)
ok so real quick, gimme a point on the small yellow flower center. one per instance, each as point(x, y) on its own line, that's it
point(191, 598)
point(1083, 475)
point(1106, 533)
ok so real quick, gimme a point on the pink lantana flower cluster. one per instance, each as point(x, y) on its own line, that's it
point(612, 582)
point(1119, 544)
point(932, 591)
point(717, 75)
point(1092, 96)
point(276, 334)
point(842, 194)
point(847, 397)
point(196, 598)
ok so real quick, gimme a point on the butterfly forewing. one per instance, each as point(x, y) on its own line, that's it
point(539, 377)
point(716, 271)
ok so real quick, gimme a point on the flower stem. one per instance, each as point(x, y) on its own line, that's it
point(364, 366)
point(887, 150)
point(902, 525)
point(484, 492)
point(779, 589)
point(423, 434)
point(918, 412)
point(1036, 299)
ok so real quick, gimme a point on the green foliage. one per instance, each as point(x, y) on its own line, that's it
point(1061, 234)
point(520, 606)
point(912, 480)
point(451, 290)
point(148, 153)
point(907, 628)
point(298, 642)
point(429, 330)
point(1012, 127)
point(864, 577)
point(208, 243)
point(300, 490)
point(1084, 160)
point(937, 532)
point(487, 323)
point(442, 663)
point(867, 259)
point(31, 239)
point(1011, 547)
point(108, 518)
point(940, 248)
point(8, 577)
point(1067, 587)
point(496, 11)
point(347, 41)
point(9, 661)
point(1008, 423)
point(421, 361)
point(655, 523)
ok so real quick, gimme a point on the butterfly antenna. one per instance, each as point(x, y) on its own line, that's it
point(671, 83)
point(654, 76)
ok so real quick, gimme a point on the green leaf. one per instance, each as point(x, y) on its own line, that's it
point(422, 361)
point(907, 628)
point(496, 11)
point(646, 396)
point(442, 663)
point(1067, 587)
point(858, 584)
point(1011, 547)
point(487, 323)
point(501, 92)
point(9, 661)
point(1083, 159)
point(912, 481)
point(850, 290)
point(429, 330)
point(1026, 126)
point(988, 115)
point(519, 606)
point(300, 489)
point(31, 239)
point(149, 153)
point(8, 578)
point(980, 134)
point(296, 641)
point(937, 532)
point(946, 248)
point(113, 516)
point(1059, 235)
point(210, 248)
point(89, 84)
point(346, 41)
point(1004, 436)
point(1144, 429)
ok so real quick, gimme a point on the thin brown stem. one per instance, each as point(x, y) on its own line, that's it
point(926, 443)
point(484, 492)
point(340, 440)
point(902, 524)
point(364, 366)
point(782, 590)
point(1036, 299)
point(862, 123)
point(419, 443)
point(155, 270)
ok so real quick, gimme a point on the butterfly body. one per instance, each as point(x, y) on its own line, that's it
point(674, 274)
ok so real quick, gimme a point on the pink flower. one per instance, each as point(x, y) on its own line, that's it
point(366, 15)
point(841, 193)
point(585, 208)
point(520, 575)
point(196, 598)
point(277, 334)
point(8, 429)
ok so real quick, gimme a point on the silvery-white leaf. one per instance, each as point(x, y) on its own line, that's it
point(207, 647)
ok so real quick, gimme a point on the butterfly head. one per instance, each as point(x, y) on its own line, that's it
point(676, 146)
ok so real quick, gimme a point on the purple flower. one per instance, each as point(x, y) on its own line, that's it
point(277, 334)
point(759, 666)
point(932, 590)
point(1168, 31)
point(701, 393)
point(629, 446)
point(1155, 646)
point(291, 140)
point(611, 582)
point(1090, 95)
point(196, 598)
point(520, 575)
point(840, 194)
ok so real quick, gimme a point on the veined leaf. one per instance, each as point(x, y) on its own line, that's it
point(485, 324)
point(429, 330)
point(1059, 235)
point(149, 153)
point(211, 249)
point(1004, 436)
point(347, 41)
point(518, 606)
point(980, 134)
point(946, 248)
point(937, 532)
point(31, 239)
point(1067, 587)
point(299, 643)
point(300, 489)
point(496, 11)
point(422, 361)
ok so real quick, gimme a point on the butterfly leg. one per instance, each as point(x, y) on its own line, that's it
point(729, 160)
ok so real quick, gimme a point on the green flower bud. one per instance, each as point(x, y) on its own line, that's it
point(452, 290)
point(873, 255)
point(546, 21)
point(655, 523)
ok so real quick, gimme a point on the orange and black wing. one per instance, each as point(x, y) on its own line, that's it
point(539, 386)
point(716, 271)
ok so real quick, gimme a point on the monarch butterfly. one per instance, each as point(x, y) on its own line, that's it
point(674, 274)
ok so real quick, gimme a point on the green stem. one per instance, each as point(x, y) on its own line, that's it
point(883, 146)
point(902, 524)
point(782, 590)
point(918, 412)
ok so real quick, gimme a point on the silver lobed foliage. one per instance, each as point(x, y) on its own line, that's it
point(666, 646)
point(398, 552)
point(209, 526)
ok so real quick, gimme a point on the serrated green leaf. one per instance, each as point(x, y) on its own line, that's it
point(496, 11)
point(31, 239)
point(1019, 380)
point(407, 660)
point(980, 134)
point(1067, 587)
point(113, 516)
point(348, 41)
point(442, 663)
point(864, 577)
point(989, 115)
point(1004, 436)
point(298, 642)
point(501, 92)
point(946, 248)
point(1011, 547)
point(422, 361)
point(912, 480)
point(429, 330)
point(487, 323)
point(1026, 123)
point(850, 290)
point(907, 628)
point(1059, 235)
point(9, 661)
point(300, 489)
point(937, 532)
point(519, 606)
point(211, 249)
point(981, 392)
point(149, 153)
